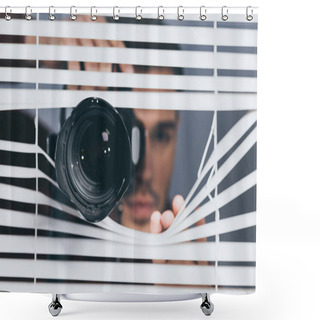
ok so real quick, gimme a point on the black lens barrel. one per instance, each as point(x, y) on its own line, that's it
point(93, 158)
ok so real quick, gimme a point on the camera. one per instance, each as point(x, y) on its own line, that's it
point(97, 153)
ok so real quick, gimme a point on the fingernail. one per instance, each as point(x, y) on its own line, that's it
point(167, 219)
point(177, 203)
point(155, 222)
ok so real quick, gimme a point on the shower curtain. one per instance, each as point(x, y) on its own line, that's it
point(187, 221)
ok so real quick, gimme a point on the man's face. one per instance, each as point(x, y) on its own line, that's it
point(152, 180)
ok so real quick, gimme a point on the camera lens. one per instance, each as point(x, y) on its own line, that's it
point(97, 151)
point(93, 158)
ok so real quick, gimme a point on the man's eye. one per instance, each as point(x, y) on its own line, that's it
point(162, 136)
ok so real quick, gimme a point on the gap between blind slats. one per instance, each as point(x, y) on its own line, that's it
point(148, 57)
point(24, 173)
point(215, 203)
point(127, 32)
point(197, 251)
point(20, 194)
point(210, 229)
point(24, 147)
point(226, 225)
point(43, 99)
point(130, 272)
point(206, 230)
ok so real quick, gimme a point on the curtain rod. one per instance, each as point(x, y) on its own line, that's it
point(138, 12)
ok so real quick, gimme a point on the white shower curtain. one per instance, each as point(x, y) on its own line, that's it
point(186, 91)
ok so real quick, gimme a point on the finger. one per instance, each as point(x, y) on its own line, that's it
point(128, 68)
point(29, 40)
point(102, 67)
point(183, 262)
point(101, 19)
point(84, 18)
point(166, 219)
point(177, 204)
point(71, 65)
point(155, 227)
point(117, 43)
point(155, 222)
point(123, 67)
point(102, 43)
point(202, 263)
point(88, 66)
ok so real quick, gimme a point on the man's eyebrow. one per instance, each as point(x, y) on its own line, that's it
point(164, 125)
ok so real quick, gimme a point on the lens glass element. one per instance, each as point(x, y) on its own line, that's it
point(97, 151)
point(98, 154)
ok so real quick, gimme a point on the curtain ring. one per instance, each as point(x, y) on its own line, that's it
point(115, 16)
point(93, 16)
point(180, 14)
point(249, 15)
point(224, 13)
point(160, 16)
point(27, 16)
point(51, 15)
point(73, 17)
point(203, 12)
point(138, 16)
point(6, 16)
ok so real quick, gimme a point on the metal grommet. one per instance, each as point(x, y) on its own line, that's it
point(160, 16)
point(93, 16)
point(51, 15)
point(203, 12)
point(180, 13)
point(115, 16)
point(224, 13)
point(27, 15)
point(73, 17)
point(138, 16)
point(6, 15)
point(249, 16)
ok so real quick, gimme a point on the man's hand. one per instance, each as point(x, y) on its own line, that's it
point(161, 222)
point(93, 66)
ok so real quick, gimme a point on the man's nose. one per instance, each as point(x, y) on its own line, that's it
point(145, 172)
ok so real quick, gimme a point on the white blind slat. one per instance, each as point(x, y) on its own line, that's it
point(29, 99)
point(131, 80)
point(131, 32)
point(148, 57)
point(195, 251)
point(130, 272)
